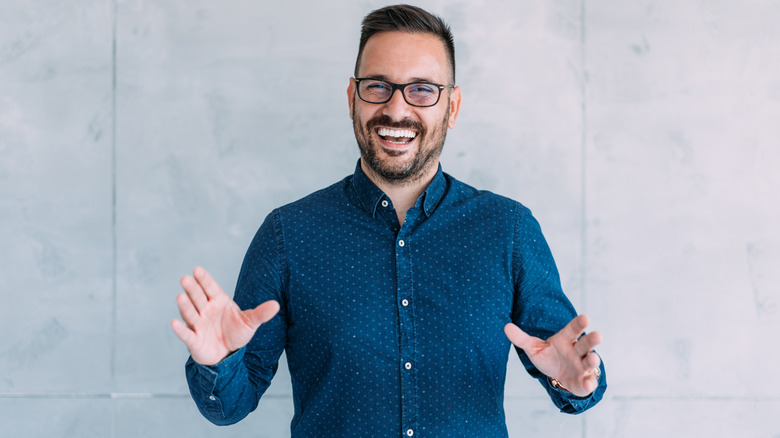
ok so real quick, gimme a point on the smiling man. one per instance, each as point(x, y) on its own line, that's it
point(397, 292)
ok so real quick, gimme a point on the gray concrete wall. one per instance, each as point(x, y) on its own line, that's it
point(140, 138)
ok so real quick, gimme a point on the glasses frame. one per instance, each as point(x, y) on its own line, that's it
point(401, 87)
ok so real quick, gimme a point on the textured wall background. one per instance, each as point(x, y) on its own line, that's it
point(140, 138)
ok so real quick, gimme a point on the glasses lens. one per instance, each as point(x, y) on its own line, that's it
point(422, 94)
point(374, 91)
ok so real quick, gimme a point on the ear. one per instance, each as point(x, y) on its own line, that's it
point(455, 98)
point(351, 95)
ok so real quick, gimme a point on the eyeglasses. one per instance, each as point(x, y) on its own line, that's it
point(422, 94)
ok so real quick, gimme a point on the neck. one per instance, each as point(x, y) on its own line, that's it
point(403, 193)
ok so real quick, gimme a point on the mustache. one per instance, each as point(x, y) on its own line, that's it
point(387, 121)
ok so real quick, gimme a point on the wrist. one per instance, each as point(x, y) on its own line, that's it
point(557, 385)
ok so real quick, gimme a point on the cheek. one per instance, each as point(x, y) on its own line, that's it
point(358, 113)
point(439, 123)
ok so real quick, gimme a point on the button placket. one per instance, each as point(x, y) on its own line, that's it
point(405, 294)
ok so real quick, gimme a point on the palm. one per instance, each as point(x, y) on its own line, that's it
point(215, 325)
point(566, 356)
point(220, 331)
point(547, 359)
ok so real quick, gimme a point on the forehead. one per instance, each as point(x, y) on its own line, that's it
point(403, 57)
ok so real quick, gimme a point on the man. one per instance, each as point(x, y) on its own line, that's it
point(396, 291)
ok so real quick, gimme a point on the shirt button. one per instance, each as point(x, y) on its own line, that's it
point(401, 243)
point(408, 366)
point(404, 302)
point(385, 203)
point(212, 398)
point(409, 432)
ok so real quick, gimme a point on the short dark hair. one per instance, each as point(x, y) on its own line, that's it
point(407, 18)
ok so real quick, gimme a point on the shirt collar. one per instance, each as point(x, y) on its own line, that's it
point(370, 195)
point(434, 192)
point(367, 192)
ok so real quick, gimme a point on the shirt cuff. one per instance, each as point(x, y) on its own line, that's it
point(203, 382)
point(572, 404)
point(229, 363)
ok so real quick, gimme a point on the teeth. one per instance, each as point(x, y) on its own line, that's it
point(385, 132)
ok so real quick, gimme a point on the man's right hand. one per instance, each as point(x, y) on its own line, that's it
point(215, 325)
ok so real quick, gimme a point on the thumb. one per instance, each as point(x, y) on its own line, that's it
point(517, 336)
point(262, 313)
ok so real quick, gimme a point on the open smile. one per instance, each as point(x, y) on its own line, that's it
point(398, 137)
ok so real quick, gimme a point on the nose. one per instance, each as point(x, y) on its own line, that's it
point(396, 107)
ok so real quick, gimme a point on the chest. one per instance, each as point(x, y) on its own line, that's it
point(359, 282)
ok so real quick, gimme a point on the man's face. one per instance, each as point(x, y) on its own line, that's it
point(394, 156)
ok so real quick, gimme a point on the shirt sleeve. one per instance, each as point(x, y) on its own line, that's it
point(227, 392)
point(540, 307)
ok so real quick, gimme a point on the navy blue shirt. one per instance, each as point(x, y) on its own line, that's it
point(392, 329)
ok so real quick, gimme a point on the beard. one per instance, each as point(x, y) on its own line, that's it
point(390, 168)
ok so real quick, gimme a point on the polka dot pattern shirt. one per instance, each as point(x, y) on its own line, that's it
point(391, 330)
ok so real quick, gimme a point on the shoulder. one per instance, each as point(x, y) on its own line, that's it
point(462, 193)
point(318, 203)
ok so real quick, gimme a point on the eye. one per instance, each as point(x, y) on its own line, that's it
point(376, 86)
point(422, 89)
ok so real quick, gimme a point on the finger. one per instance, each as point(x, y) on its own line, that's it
point(519, 338)
point(587, 343)
point(591, 362)
point(185, 334)
point(574, 328)
point(592, 377)
point(589, 385)
point(261, 314)
point(207, 282)
point(195, 292)
point(187, 310)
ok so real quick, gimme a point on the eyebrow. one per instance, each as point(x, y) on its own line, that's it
point(412, 80)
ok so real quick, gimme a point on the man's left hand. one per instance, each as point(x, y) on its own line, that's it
point(566, 356)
